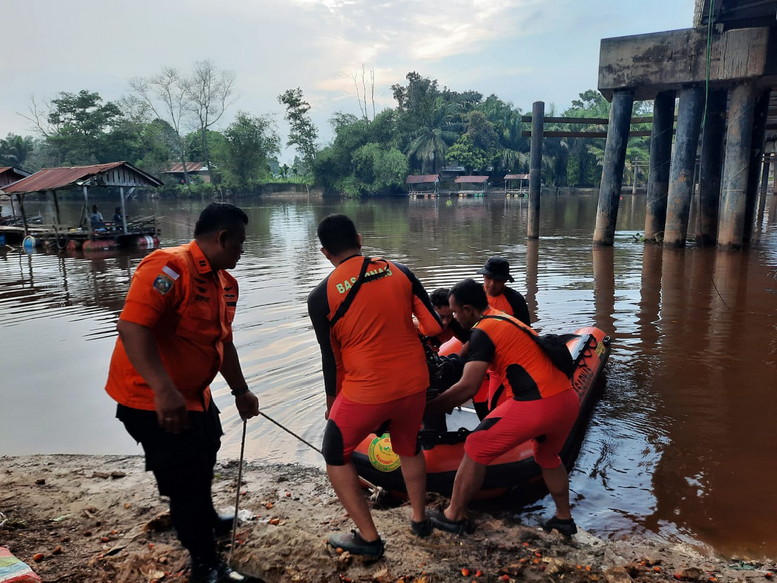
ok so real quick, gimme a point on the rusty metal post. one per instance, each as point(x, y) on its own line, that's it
point(612, 166)
point(535, 169)
point(680, 193)
point(733, 200)
point(760, 113)
point(660, 156)
point(712, 138)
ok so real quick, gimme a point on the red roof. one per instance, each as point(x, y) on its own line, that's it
point(471, 179)
point(422, 178)
point(516, 177)
point(56, 178)
point(190, 167)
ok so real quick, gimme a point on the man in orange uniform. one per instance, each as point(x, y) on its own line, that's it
point(496, 274)
point(175, 334)
point(375, 371)
point(543, 408)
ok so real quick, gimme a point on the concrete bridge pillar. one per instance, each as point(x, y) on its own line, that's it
point(739, 133)
point(711, 169)
point(683, 164)
point(535, 169)
point(760, 114)
point(660, 156)
point(612, 166)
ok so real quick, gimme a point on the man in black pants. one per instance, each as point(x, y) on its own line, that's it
point(175, 334)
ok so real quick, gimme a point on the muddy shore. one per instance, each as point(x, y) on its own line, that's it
point(99, 519)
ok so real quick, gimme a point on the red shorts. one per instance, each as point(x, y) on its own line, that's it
point(514, 422)
point(349, 423)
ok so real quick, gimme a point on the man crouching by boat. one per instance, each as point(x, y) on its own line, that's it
point(543, 408)
point(175, 334)
point(375, 372)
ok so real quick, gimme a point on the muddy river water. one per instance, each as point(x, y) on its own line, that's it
point(682, 444)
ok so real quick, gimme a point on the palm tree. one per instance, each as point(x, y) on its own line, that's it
point(430, 142)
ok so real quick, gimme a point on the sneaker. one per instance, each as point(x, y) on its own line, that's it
point(439, 520)
point(421, 529)
point(356, 545)
point(218, 572)
point(565, 526)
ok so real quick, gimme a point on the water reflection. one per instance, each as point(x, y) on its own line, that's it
point(681, 445)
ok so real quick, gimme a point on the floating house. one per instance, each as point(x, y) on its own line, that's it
point(516, 183)
point(423, 184)
point(141, 231)
point(472, 185)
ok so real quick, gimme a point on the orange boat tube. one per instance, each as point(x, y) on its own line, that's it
point(443, 447)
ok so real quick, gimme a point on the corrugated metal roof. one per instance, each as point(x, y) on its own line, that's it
point(471, 179)
point(422, 178)
point(57, 178)
point(516, 177)
point(190, 167)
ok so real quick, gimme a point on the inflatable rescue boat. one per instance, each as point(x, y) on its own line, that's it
point(443, 446)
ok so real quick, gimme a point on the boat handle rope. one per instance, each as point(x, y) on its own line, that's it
point(290, 432)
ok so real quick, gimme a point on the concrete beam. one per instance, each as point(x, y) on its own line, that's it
point(662, 61)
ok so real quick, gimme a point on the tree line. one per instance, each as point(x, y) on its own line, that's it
point(172, 118)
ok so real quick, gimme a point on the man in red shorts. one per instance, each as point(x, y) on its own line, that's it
point(543, 407)
point(375, 372)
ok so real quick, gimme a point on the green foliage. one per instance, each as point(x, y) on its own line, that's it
point(303, 133)
point(248, 143)
point(465, 153)
point(14, 150)
point(79, 125)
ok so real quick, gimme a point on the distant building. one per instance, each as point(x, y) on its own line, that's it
point(9, 175)
point(198, 169)
point(423, 183)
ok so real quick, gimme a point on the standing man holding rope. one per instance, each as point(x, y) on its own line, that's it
point(375, 372)
point(175, 334)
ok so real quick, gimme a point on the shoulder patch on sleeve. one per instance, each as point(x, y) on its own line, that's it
point(163, 283)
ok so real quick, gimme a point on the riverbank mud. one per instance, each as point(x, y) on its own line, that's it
point(99, 519)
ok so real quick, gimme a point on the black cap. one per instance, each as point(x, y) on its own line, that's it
point(497, 268)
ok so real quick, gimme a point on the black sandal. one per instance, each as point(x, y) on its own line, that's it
point(565, 526)
point(439, 520)
point(421, 529)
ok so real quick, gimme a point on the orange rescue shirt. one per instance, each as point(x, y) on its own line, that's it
point(190, 309)
point(377, 352)
point(526, 371)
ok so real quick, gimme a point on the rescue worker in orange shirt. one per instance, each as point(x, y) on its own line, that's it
point(362, 314)
point(496, 274)
point(175, 334)
point(543, 408)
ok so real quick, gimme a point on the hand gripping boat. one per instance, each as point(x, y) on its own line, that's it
point(443, 448)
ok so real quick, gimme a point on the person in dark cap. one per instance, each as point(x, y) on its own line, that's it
point(496, 274)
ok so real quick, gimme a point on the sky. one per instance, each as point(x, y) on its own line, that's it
point(520, 50)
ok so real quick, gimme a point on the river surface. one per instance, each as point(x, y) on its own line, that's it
point(682, 445)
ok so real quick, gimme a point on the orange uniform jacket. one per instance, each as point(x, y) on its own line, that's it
point(526, 371)
point(373, 353)
point(175, 293)
point(511, 302)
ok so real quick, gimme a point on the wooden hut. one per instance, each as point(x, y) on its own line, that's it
point(423, 184)
point(472, 185)
point(121, 175)
point(516, 184)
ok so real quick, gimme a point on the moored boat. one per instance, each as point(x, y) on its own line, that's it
point(443, 447)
